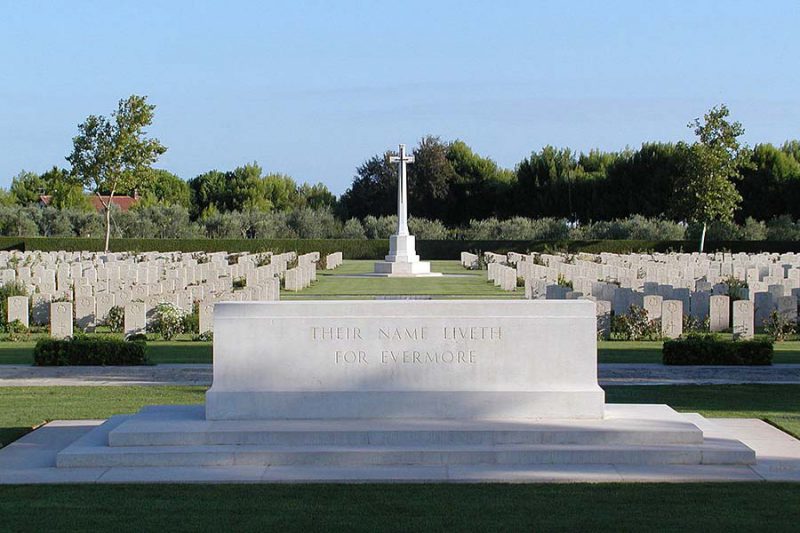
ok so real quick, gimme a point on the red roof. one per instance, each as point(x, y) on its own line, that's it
point(123, 203)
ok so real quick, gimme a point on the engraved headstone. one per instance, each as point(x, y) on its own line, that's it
point(135, 319)
point(603, 311)
point(652, 304)
point(672, 319)
point(18, 309)
point(61, 320)
point(743, 319)
point(720, 313)
point(85, 311)
point(206, 316)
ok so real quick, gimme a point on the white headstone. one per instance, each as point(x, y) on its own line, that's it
point(672, 319)
point(61, 320)
point(720, 313)
point(743, 319)
point(135, 319)
point(18, 309)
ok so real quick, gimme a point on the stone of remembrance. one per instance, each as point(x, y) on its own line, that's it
point(358, 390)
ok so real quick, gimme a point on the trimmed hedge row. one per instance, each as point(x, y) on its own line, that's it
point(89, 351)
point(377, 248)
point(708, 350)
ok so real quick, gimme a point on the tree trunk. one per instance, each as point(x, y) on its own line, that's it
point(703, 237)
point(108, 227)
point(107, 205)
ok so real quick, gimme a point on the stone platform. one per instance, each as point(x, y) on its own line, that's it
point(180, 436)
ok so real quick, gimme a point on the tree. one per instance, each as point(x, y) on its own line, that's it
point(114, 155)
point(165, 188)
point(707, 192)
point(65, 192)
point(27, 188)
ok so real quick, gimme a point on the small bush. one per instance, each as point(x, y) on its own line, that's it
point(168, 320)
point(191, 321)
point(711, 350)
point(97, 350)
point(16, 331)
point(635, 325)
point(778, 327)
point(115, 319)
point(692, 324)
point(205, 336)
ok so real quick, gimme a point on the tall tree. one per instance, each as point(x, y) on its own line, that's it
point(113, 155)
point(707, 192)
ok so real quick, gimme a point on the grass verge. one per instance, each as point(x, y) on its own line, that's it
point(429, 507)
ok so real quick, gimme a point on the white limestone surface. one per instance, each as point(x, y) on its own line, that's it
point(522, 359)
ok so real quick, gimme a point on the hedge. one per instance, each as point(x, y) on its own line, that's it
point(377, 248)
point(89, 351)
point(708, 350)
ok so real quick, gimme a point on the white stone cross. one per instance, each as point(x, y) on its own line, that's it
point(402, 193)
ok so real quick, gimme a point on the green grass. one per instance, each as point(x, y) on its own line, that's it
point(431, 507)
point(462, 284)
point(497, 507)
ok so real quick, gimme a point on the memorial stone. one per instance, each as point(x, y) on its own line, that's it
point(743, 319)
point(61, 320)
point(720, 313)
point(135, 318)
point(672, 319)
point(18, 309)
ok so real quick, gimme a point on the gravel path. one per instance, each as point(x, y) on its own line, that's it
point(610, 374)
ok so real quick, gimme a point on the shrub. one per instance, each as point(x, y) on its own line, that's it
point(635, 325)
point(168, 320)
point(205, 336)
point(692, 324)
point(778, 327)
point(16, 331)
point(96, 350)
point(115, 319)
point(712, 350)
point(191, 321)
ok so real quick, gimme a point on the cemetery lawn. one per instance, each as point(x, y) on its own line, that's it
point(26, 407)
point(402, 507)
point(344, 283)
point(393, 507)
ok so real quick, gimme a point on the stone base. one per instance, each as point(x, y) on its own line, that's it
point(373, 405)
point(396, 269)
point(180, 436)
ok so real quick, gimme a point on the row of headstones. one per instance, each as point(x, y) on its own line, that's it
point(88, 312)
point(632, 271)
point(298, 278)
point(670, 314)
point(145, 273)
point(698, 304)
point(333, 260)
point(776, 297)
point(502, 276)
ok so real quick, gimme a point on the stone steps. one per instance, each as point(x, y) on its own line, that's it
point(397, 443)
point(186, 426)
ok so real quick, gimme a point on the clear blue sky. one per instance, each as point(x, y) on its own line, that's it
point(313, 89)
